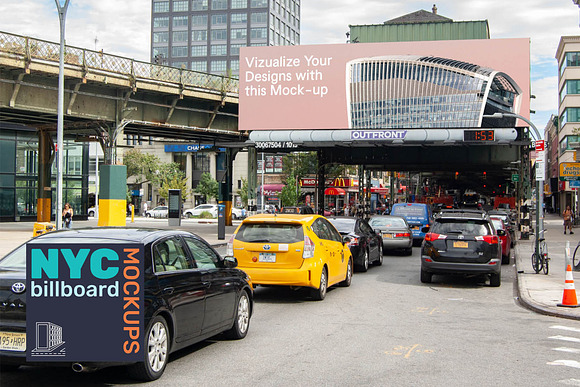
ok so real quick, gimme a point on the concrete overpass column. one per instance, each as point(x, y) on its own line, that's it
point(252, 176)
point(113, 195)
point(45, 159)
point(225, 191)
point(321, 183)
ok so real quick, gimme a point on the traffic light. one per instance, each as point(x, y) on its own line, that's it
point(484, 175)
point(456, 175)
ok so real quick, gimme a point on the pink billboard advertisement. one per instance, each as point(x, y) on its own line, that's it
point(313, 87)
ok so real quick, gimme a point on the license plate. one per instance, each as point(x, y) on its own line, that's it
point(462, 245)
point(388, 236)
point(13, 341)
point(267, 257)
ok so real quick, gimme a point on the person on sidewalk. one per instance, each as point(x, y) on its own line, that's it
point(567, 215)
point(67, 214)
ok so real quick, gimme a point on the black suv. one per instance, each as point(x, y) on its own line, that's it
point(461, 242)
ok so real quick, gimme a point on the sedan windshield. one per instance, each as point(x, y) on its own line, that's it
point(343, 225)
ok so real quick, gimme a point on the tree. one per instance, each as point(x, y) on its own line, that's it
point(208, 186)
point(289, 194)
point(243, 192)
point(169, 176)
point(143, 166)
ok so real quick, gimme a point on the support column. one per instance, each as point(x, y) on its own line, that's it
point(321, 183)
point(113, 195)
point(252, 178)
point(44, 194)
point(225, 188)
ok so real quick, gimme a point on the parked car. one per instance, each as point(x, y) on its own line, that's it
point(395, 231)
point(418, 215)
point(297, 210)
point(179, 270)
point(157, 212)
point(508, 222)
point(506, 240)
point(461, 242)
point(197, 211)
point(292, 250)
point(92, 211)
point(365, 245)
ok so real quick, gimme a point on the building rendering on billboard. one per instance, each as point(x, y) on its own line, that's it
point(373, 89)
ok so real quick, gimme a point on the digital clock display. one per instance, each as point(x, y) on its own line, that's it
point(478, 135)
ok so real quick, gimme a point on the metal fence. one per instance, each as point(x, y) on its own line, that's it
point(42, 50)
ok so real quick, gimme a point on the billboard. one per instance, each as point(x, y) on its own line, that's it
point(307, 87)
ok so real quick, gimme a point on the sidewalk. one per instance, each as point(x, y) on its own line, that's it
point(541, 292)
point(537, 292)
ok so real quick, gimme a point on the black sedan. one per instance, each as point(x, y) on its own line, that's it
point(365, 245)
point(157, 291)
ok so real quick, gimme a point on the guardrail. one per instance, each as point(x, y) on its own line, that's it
point(30, 48)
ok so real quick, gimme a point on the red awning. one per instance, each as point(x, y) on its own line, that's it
point(334, 191)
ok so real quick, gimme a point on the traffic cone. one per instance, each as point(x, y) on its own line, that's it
point(569, 298)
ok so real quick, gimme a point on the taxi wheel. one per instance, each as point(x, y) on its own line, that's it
point(155, 352)
point(347, 281)
point(320, 293)
point(242, 322)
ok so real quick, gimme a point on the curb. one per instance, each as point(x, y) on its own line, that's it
point(523, 300)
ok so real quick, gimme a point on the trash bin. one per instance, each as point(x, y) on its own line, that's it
point(42, 228)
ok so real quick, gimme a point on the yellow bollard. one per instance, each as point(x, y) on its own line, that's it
point(132, 213)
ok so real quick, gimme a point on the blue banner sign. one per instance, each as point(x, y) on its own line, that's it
point(84, 302)
point(377, 134)
point(191, 148)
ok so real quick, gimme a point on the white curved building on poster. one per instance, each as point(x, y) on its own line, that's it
point(427, 92)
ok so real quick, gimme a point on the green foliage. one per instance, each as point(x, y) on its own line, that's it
point(142, 166)
point(303, 164)
point(169, 176)
point(208, 186)
point(244, 193)
point(289, 194)
point(205, 215)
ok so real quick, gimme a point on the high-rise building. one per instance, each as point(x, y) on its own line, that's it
point(206, 35)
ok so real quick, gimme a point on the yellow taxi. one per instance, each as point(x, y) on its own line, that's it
point(292, 250)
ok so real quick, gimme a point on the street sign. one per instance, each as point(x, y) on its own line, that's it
point(515, 177)
point(540, 160)
point(569, 171)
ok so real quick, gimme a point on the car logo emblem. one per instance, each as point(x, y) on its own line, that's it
point(461, 237)
point(267, 247)
point(18, 287)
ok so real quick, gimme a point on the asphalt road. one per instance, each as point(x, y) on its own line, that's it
point(386, 329)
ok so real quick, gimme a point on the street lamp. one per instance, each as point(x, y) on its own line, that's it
point(539, 183)
point(60, 112)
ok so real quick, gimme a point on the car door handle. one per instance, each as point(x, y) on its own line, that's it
point(168, 290)
point(207, 284)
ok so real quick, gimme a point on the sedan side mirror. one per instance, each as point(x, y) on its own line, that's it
point(230, 262)
point(501, 232)
point(345, 240)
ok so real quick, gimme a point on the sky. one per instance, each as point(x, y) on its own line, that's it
point(123, 27)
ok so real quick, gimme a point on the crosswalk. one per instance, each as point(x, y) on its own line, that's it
point(568, 349)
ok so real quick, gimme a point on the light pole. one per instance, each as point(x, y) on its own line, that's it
point(539, 183)
point(59, 128)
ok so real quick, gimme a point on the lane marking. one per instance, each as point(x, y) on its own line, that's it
point(570, 382)
point(565, 349)
point(565, 338)
point(562, 327)
point(567, 363)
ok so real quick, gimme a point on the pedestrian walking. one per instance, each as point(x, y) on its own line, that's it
point(567, 215)
point(67, 215)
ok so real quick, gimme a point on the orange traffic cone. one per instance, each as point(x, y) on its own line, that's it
point(569, 299)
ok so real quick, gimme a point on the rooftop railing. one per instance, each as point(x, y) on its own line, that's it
point(35, 49)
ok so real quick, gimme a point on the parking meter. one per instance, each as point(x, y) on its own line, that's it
point(221, 221)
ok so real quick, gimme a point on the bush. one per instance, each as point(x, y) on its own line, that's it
point(205, 215)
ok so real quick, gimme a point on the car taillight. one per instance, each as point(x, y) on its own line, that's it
point(308, 248)
point(491, 239)
point(431, 236)
point(353, 241)
point(402, 235)
point(230, 248)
